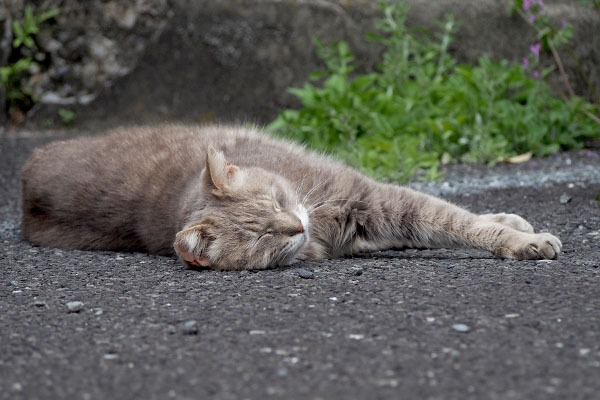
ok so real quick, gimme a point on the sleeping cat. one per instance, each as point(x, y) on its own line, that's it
point(234, 198)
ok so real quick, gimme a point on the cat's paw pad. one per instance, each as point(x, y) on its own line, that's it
point(511, 220)
point(540, 246)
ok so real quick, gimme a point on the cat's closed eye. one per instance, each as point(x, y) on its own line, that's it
point(279, 200)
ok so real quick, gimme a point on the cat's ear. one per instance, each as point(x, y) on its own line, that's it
point(192, 244)
point(219, 172)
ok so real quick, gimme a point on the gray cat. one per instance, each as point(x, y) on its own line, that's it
point(234, 198)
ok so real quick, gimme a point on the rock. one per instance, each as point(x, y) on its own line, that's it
point(461, 328)
point(39, 303)
point(74, 306)
point(564, 198)
point(171, 329)
point(190, 328)
point(305, 274)
point(356, 271)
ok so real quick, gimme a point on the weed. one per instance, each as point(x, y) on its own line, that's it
point(22, 64)
point(420, 109)
point(66, 116)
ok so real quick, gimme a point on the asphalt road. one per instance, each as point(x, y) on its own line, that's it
point(444, 324)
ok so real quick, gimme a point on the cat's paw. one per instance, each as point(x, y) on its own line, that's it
point(538, 246)
point(510, 220)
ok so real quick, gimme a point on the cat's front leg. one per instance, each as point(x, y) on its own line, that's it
point(420, 220)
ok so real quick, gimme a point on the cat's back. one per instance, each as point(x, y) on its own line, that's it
point(138, 150)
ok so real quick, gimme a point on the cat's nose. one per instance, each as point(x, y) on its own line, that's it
point(300, 228)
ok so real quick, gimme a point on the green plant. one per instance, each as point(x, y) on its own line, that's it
point(10, 79)
point(13, 77)
point(25, 31)
point(421, 109)
point(552, 39)
point(67, 116)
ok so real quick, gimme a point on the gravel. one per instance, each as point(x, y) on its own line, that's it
point(305, 274)
point(564, 198)
point(74, 306)
point(461, 327)
point(573, 168)
point(190, 327)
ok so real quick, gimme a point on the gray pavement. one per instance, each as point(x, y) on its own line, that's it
point(443, 324)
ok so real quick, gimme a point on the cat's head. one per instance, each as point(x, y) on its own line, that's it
point(253, 219)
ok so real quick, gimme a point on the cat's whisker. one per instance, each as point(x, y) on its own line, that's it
point(317, 201)
point(299, 188)
point(310, 192)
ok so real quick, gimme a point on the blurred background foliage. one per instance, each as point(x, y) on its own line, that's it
point(420, 109)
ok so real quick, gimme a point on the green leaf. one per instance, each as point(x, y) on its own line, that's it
point(48, 15)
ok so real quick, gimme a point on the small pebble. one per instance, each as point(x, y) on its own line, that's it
point(356, 271)
point(190, 328)
point(39, 303)
point(282, 372)
point(584, 352)
point(74, 306)
point(171, 329)
point(305, 274)
point(461, 328)
point(565, 198)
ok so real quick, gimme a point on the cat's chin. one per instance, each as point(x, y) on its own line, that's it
point(294, 248)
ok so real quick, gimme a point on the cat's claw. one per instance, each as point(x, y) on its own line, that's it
point(539, 246)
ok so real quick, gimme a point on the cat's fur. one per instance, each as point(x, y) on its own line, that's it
point(234, 198)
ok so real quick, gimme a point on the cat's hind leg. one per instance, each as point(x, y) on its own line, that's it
point(46, 231)
point(511, 220)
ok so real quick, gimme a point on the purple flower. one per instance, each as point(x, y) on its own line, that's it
point(535, 49)
point(527, 4)
point(532, 18)
point(525, 62)
point(536, 74)
point(542, 8)
point(563, 23)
